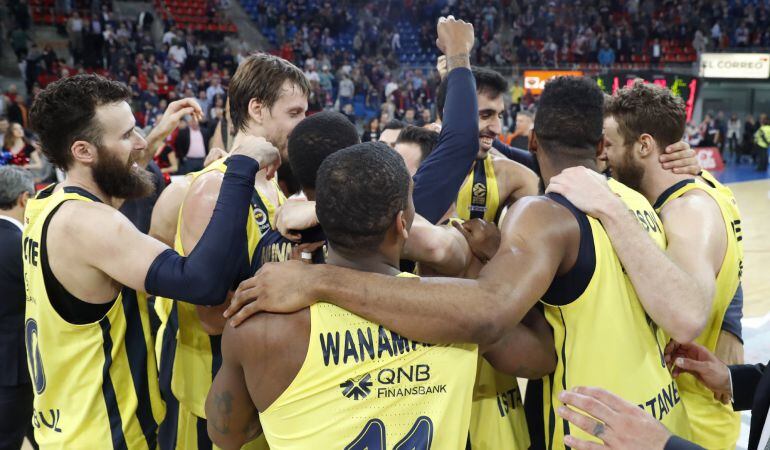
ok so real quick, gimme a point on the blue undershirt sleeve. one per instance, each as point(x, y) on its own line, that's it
point(733, 315)
point(205, 276)
point(518, 155)
point(441, 175)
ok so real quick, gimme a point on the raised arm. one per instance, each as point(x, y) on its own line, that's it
point(168, 123)
point(675, 287)
point(441, 175)
point(536, 234)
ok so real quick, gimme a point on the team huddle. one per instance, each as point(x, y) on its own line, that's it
point(397, 303)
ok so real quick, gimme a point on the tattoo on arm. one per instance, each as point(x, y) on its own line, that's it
point(455, 61)
point(224, 405)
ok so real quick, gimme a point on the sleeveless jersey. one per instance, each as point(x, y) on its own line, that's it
point(497, 413)
point(714, 425)
point(479, 196)
point(362, 386)
point(95, 384)
point(604, 338)
point(189, 357)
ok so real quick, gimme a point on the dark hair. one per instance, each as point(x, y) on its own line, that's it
point(648, 108)
point(314, 139)
point(488, 82)
point(423, 137)
point(570, 116)
point(359, 192)
point(394, 125)
point(260, 77)
point(64, 112)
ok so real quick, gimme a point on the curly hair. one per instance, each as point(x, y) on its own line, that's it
point(570, 116)
point(359, 192)
point(314, 139)
point(64, 112)
point(648, 108)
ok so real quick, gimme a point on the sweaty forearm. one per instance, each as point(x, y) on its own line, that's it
point(205, 276)
point(443, 172)
point(667, 293)
point(433, 310)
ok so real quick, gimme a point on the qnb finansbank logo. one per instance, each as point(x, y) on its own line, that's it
point(357, 388)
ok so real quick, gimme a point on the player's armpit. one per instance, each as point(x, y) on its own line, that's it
point(165, 213)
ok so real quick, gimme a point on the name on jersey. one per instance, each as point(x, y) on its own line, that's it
point(648, 219)
point(48, 419)
point(354, 346)
point(508, 401)
point(662, 404)
point(31, 251)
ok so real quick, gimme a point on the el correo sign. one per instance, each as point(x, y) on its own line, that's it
point(735, 65)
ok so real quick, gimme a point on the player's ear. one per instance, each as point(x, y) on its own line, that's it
point(402, 225)
point(647, 145)
point(84, 152)
point(256, 111)
point(532, 143)
point(600, 148)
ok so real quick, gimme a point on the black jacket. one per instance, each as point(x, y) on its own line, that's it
point(182, 143)
point(12, 303)
point(751, 390)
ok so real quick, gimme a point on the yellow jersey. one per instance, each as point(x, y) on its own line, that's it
point(362, 386)
point(479, 196)
point(497, 413)
point(714, 425)
point(189, 357)
point(95, 383)
point(601, 332)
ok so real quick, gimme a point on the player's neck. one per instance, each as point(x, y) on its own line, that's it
point(77, 178)
point(372, 262)
point(550, 170)
point(656, 180)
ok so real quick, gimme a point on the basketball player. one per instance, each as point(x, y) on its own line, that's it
point(704, 239)
point(325, 378)
point(268, 97)
point(87, 267)
point(550, 251)
point(493, 183)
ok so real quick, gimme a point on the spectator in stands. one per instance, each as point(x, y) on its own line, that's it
point(17, 109)
point(18, 150)
point(762, 141)
point(192, 146)
point(524, 123)
point(734, 130)
point(218, 110)
point(371, 131)
point(606, 55)
point(214, 89)
point(750, 127)
point(4, 125)
point(204, 103)
point(709, 131)
point(177, 54)
point(655, 53)
point(348, 111)
point(19, 39)
point(346, 91)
